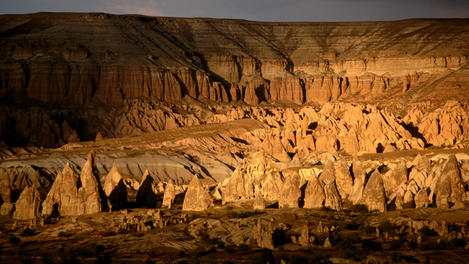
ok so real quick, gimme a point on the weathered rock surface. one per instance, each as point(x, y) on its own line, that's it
point(197, 198)
point(146, 194)
point(28, 204)
point(72, 195)
point(115, 189)
point(335, 185)
point(66, 65)
point(169, 194)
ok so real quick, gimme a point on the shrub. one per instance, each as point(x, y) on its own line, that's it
point(346, 241)
point(28, 232)
point(14, 240)
point(64, 234)
point(109, 233)
point(387, 226)
point(266, 257)
point(280, 237)
point(367, 229)
point(320, 238)
point(360, 208)
point(371, 245)
point(397, 244)
point(426, 232)
point(457, 243)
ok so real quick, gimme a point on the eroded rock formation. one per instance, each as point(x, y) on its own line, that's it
point(28, 204)
point(72, 195)
point(197, 198)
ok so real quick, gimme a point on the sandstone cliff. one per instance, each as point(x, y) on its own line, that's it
point(62, 60)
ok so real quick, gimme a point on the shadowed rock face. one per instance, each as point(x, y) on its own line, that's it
point(100, 60)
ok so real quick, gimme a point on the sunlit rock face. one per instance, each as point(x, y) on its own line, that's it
point(340, 185)
point(72, 195)
point(28, 204)
point(90, 67)
point(312, 115)
point(197, 198)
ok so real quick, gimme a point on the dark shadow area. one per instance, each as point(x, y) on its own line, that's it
point(260, 93)
point(279, 237)
point(179, 200)
point(274, 205)
point(414, 131)
point(55, 211)
point(239, 140)
point(379, 148)
point(350, 170)
point(313, 126)
point(145, 195)
point(118, 197)
point(383, 169)
point(301, 200)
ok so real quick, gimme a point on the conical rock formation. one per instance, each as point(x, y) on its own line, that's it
point(27, 205)
point(169, 194)
point(72, 195)
point(115, 189)
point(197, 198)
point(146, 196)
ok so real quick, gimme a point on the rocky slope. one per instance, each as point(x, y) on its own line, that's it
point(199, 113)
point(66, 74)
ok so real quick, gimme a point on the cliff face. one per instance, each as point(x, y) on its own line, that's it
point(82, 58)
point(80, 61)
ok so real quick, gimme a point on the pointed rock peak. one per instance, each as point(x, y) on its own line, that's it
point(169, 194)
point(88, 176)
point(67, 167)
point(170, 183)
point(112, 180)
point(195, 182)
point(27, 205)
point(197, 198)
point(68, 175)
point(114, 174)
point(98, 137)
point(451, 164)
point(92, 158)
point(328, 174)
point(146, 174)
point(68, 170)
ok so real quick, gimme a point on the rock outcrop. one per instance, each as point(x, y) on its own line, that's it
point(195, 58)
point(115, 189)
point(146, 194)
point(28, 204)
point(374, 196)
point(72, 195)
point(169, 195)
point(338, 184)
point(449, 188)
point(197, 198)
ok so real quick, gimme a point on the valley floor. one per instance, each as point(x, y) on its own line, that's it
point(233, 235)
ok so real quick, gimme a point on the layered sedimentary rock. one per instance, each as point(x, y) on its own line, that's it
point(62, 60)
